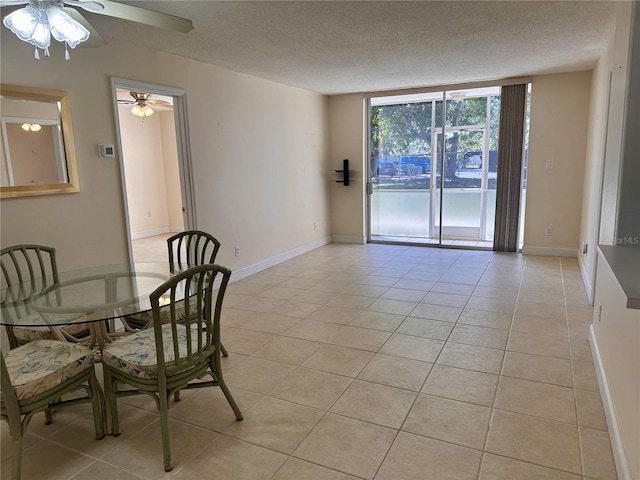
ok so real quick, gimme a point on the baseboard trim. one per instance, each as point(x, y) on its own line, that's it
point(357, 239)
point(619, 457)
point(276, 259)
point(550, 251)
point(149, 233)
point(585, 277)
point(155, 231)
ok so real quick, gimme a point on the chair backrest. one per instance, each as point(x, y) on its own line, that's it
point(30, 268)
point(199, 327)
point(27, 270)
point(190, 248)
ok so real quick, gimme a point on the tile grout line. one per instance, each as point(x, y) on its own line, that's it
point(500, 374)
point(573, 380)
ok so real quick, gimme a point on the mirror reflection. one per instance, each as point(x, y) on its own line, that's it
point(36, 155)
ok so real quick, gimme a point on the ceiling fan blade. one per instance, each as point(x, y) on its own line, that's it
point(95, 40)
point(88, 5)
point(148, 17)
point(160, 103)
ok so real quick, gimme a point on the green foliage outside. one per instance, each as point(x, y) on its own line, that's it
point(404, 129)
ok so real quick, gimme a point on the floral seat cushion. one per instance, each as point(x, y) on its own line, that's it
point(140, 320)
point(136, 354)
point(26, 333)
point(44, 333)
point(40, 365)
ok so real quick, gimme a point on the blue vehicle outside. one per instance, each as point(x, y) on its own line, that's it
point(387, 167)
point(416, 164)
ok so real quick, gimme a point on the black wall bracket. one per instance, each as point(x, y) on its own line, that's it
point(345, 172)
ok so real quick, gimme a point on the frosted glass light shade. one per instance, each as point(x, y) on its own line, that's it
point(142, 111)
point(31, 127)
point(64, 28)
point(36, 25)
point(23, 22)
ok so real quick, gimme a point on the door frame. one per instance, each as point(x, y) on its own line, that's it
point(185, 168)
point(437, 191)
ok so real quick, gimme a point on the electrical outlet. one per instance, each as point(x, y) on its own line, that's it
point(315, 226)
point(585, 247)
point(549, 163)
point(547, 231)
point(237, 251)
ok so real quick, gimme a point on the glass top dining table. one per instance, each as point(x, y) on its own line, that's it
point(89, 295)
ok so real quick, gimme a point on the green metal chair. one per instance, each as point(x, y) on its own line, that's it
point(27, 271)
point(191, 248)
point(172, 356)
point(35, 377)
point(186, 249)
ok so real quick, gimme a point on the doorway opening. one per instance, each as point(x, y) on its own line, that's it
point(433, 168)
point(155, 166)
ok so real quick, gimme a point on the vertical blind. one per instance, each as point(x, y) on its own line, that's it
point(513, 102)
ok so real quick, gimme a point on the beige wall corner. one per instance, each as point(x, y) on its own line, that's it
point(557, 150)
point(347, 123)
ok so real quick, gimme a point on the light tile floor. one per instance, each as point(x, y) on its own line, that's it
point(151, 249)
point(373, 362)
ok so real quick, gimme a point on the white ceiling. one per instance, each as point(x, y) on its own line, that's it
point(335, 47)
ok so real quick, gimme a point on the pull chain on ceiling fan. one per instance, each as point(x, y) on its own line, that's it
point(42, 19)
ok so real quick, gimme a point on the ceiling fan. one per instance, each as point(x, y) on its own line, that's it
point(40, 20)
point(141, 104)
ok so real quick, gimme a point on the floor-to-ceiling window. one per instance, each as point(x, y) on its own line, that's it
point(433, 161)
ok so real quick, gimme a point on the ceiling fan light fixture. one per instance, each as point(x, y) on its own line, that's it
point(66, 29)
point(31, 127)
point(37, 23)
point(142, 110)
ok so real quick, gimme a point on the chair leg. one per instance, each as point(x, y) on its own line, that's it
point(230, 399)
point(223, 351)
point(96, 403)
point(16, 461)
point(49, 415)
point(164, 428)
point(109, 393)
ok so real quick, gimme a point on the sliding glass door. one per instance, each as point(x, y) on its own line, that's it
point(426, 190)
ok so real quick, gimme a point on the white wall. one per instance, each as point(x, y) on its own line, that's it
point(606, 120)
point(557, 134)
point(259, 156)
point(171, 171)
point(611, 181)
point(616, 338)
point(616, 330)
point(347, 120)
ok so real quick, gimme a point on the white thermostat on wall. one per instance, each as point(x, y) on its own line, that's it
point(106, 151)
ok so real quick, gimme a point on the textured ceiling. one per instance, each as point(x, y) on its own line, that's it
point(334, 47)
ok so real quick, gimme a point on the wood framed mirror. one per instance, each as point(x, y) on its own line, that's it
point(37, 153)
